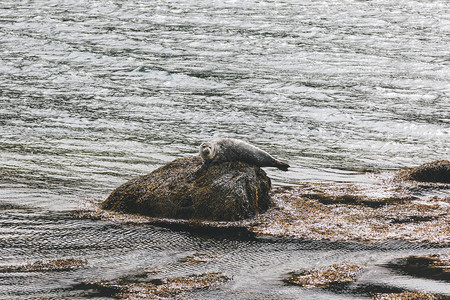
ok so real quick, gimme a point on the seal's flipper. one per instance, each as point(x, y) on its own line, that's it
point(283, 166)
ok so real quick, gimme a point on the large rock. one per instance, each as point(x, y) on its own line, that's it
point(187, 189)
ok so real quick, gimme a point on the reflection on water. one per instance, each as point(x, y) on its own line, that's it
point(93, 93)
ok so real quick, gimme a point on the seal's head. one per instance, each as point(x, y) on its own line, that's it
point(207, 151)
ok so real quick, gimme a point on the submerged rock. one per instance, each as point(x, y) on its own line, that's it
point(187, 189)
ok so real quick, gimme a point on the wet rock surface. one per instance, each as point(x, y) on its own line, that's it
point(188, 189)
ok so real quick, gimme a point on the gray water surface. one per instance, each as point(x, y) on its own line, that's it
point(93, 93)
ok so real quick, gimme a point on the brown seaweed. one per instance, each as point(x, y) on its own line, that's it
point(155, 288)
point(66, 264)
point(435, 266)
point(326, 276)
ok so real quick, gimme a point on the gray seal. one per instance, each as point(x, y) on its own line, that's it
point(222, 150)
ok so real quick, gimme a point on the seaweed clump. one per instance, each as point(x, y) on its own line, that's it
point(402, 215)
point(407, 296)
point(436, 171)
point(325, 277)
point(434, 266)
point(48, 266)
point(188, 189)
point(199, 258)
point(160, 288)
point(342, 278)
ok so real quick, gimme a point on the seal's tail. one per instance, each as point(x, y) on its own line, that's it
point(282, 166)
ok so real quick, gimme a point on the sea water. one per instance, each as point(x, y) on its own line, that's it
point(94, 93)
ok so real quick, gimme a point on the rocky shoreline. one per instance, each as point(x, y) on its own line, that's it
point(394, 207)
point(349, 212)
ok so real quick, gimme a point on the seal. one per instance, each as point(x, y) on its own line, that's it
point(222, 150)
